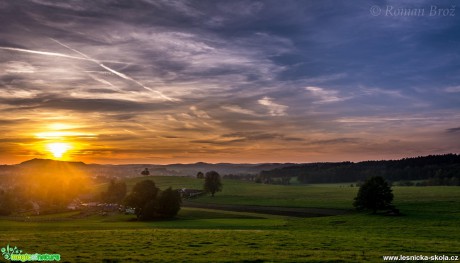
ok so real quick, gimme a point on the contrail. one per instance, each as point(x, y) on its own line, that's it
point(74, 50)
point(87, 58)
point(55, 54)
point(103, 81)
point(119, 74)
point(42, 53)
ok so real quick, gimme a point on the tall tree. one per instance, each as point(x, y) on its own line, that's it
point(169, 203)
point(143, 193)
point(116, 192)
point(375, 194)
point(212, 182)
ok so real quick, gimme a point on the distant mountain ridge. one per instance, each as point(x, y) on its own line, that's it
point(132, 170)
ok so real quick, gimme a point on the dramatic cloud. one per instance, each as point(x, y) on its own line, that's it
point(243, 81)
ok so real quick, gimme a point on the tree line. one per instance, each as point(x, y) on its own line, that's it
point(431, 170)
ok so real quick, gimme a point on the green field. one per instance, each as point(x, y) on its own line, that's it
point(429, 226)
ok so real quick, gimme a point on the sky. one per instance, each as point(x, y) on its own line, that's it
point(153, 81)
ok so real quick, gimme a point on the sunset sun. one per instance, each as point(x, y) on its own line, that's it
point(58, 149)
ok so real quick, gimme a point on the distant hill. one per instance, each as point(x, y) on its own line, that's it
point(42, 167)
point(133, 170)
point(39, 163)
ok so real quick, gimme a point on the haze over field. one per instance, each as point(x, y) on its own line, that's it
point(226, 81)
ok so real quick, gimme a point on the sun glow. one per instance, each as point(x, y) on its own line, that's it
point(58, 149)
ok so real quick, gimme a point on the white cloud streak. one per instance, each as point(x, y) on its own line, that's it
point(325, 96)
point(454, 89)
point(45, 53)
point(274, 109)
point(238, 109)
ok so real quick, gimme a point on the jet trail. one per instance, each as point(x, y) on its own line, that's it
point(74, 50)
point(53, 54)
point(87, 58)
point(119, 74)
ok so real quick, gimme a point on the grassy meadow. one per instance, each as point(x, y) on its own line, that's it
point(429, 226)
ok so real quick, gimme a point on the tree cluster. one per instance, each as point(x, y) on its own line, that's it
point(14, 200)
point(50, 192)
point(151, 203)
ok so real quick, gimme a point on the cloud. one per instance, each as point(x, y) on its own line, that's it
point(7, 121)
point(453, 130)
point(336, 141)
point(454, 89)
point(81, 105)
point(324, 96)
point(238, 109)
point(255, 136)
point(274, 109)
point(18, 67)
point(248, 138)
point(380, 91)
point(199, 113)
point(385, 119)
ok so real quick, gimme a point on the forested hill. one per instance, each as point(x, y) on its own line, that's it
point(437, 169)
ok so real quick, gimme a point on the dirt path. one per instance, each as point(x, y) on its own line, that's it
point(273, 210)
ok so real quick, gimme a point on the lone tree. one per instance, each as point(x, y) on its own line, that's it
point(200, 175)
point(146, 172)
point(212, 183)
point(375, 194)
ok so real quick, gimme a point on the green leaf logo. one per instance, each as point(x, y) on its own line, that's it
point(8, 251)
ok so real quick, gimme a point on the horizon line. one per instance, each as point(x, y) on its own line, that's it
point(294, 163)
